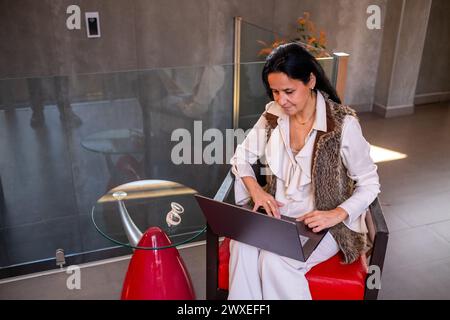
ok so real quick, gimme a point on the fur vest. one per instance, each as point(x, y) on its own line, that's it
point(330, 182)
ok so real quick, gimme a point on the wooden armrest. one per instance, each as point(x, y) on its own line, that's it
point(212, 244)
point(378, 236)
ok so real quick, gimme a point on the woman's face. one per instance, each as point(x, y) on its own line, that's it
point(291, 94)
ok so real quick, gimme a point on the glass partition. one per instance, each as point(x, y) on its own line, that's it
point(66, 140)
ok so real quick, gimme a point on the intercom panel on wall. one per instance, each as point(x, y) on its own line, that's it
point(92, 24)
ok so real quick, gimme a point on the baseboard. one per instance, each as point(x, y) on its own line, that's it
point(434, 97)
point(72, 259)
point(86, 259)
point(393, 111)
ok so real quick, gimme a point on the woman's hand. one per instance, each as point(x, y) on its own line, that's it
point(265, 200)
point(319, 220)
point(262, 198)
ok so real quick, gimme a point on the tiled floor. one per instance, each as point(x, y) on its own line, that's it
point(415, 199)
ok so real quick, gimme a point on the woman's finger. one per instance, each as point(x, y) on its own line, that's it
point(268, 209)
point(274, 209)
point(318, 229)
point(306, 216)
point(312, 219)
point(314, 224)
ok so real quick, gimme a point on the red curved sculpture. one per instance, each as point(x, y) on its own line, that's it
point(157, 274)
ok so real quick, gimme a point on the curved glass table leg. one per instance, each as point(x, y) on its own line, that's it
point(133, 233)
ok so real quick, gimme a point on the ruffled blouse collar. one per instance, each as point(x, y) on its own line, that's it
point(294, 172)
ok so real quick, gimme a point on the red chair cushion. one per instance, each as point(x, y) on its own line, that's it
point(329, 280)
point(333, 280)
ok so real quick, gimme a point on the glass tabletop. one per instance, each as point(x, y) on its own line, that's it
point(115, 141)
point(125, 212)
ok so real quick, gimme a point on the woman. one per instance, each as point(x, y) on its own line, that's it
point(318, 170)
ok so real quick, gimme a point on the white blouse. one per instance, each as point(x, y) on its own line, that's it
point(293, 172)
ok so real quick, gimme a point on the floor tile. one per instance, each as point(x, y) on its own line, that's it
point(394, 223)
point(424, 210)
point(429, 280)
point(414, 246)
point(442, 229)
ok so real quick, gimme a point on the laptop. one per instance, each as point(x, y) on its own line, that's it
point(286, 236)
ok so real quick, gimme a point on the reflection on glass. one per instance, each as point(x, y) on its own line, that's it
point(38, 89)
point(126, 121)
point(253, 39)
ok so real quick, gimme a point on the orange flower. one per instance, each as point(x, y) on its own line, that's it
point(301, 21)
point(311, 27)
point(306, 33)
point(311, 40)
point(268, 48)
point(264, 52)
point(322, 38)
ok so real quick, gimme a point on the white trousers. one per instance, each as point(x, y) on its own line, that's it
point(257, 274)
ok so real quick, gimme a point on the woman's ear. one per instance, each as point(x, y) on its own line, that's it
point(312, 81)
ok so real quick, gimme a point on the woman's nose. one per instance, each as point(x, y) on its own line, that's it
point(281, 99)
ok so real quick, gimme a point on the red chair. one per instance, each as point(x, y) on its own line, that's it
point(329, 280)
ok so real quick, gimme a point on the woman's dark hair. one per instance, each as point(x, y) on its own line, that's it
point(297, 63)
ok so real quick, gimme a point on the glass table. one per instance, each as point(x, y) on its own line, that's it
point(125, 212)
point(117, 141)
point(126, 145)
point(153, 217)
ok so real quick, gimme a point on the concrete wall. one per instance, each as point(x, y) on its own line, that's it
point(137, 34)
point(434, 78)
point(402, 47)
point(36, 42)
point(344, 21)
point(392, 22)
point(161, 33)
